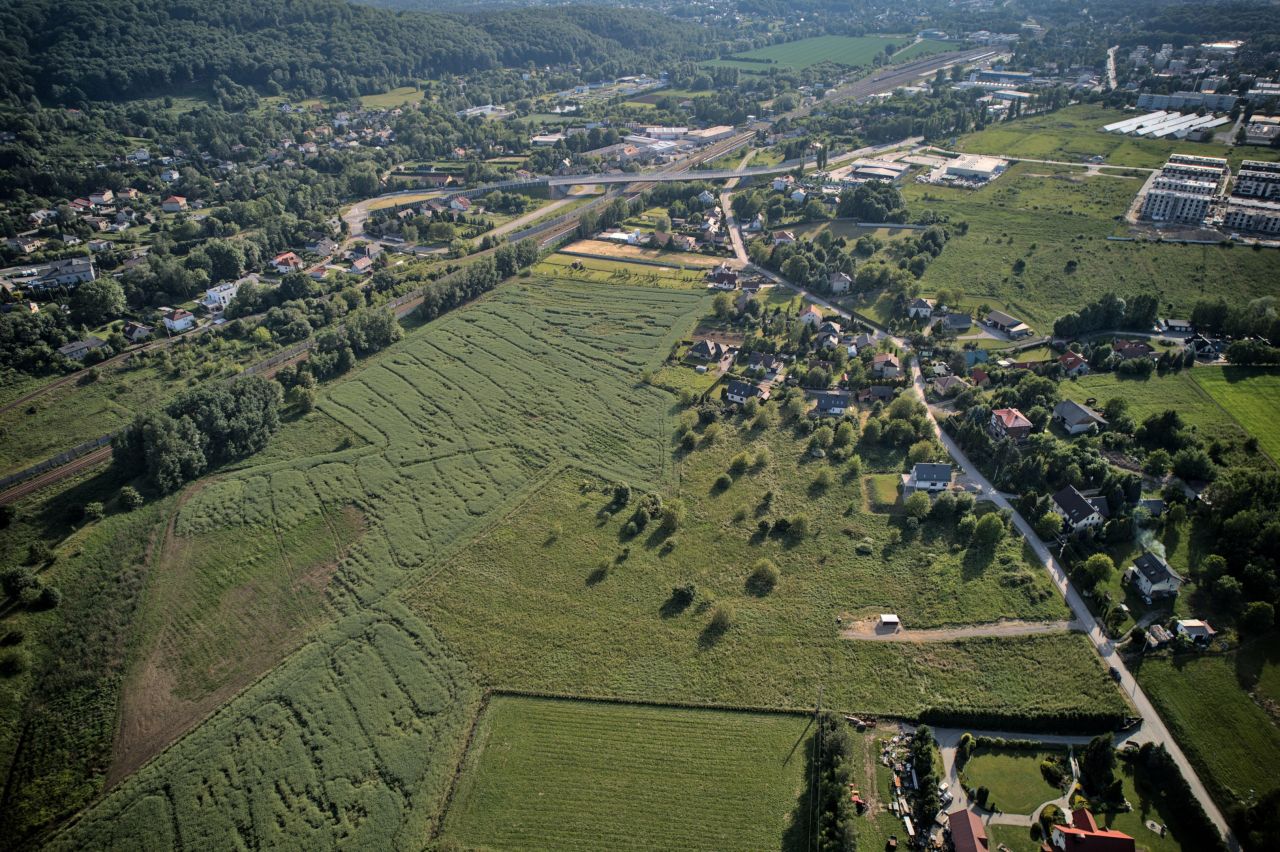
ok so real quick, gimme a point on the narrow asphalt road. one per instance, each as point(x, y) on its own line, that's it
point(1153, 728)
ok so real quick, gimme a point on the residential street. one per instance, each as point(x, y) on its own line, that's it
point(1153, 728)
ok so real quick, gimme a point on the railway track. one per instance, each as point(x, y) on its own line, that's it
point(57, 474)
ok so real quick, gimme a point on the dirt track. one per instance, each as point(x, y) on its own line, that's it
point(869, 630)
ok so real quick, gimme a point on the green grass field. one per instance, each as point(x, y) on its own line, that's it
point(1074, 134)
point(599, 271)
point(841, 50)
point(1184, 392)
point(452, 425)
point(1231, 740)
point(547, 774)
point(1048, 218)
point(610, 599)
point(1013, 777)
point(394, 98)
point(1251, 396)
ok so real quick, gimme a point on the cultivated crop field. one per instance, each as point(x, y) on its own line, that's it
point(547, 774)
point(841, 50)
point(1251, 396)
point(607, 600)
point(350, 741)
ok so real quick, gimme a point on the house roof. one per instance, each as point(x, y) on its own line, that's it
point(886, 358)
point(968, 834)
point(707, 348)
point(1072, 505)
point(931, 472)
point(957, 320)
point(1073, 413)
point(1196, 628)
point(979, 375)
point(744, 389)
point(1083, 835)
point(1155, 569)
point(946, 383)
point(1071, 360)
point(1011, 418)
point(1001, 318)
point(829, 399)
point(919, 303)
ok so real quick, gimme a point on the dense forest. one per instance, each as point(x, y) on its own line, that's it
point(78, 50)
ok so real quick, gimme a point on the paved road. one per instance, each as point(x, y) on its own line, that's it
point(1153, 728)
point(1111, 66)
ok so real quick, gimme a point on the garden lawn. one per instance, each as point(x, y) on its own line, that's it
point(1251, 396)
point(1228, 737)
point(548, 774)
point(592, 612)
point(1013, 778)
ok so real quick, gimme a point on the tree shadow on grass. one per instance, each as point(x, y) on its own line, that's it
point(674, 605)
point(798, 835)
point(598, 576)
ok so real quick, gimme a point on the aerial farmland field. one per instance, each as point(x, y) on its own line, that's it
point(549, 774)
point(1251, 396)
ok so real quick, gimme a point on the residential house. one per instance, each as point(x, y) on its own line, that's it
point(684, 242)
point(136, 332)
point(919, 308)
point(1129, 349)
point(1073, 363)
point(1075, 418)
point(876, 393)
point(976, 356)
point(99, 245)
point(1153, 578)
point(1199, 632)
point(724, 277)
point(174, 204)
point(286, 262)
point(811, 316)
point(783, 182)
point(217, 298)
point(770, 364)
point(967, 832)
point(799, 196)
point(706, 198)
point(1203, 347)
point(101, 198)
point(830, 327)
point(1011, 326)
point(980, 377)
point(926, 476)
point(1177, 326)
point(460, 204)
point(24, 244)
point(66, 273)
point(886, 365)
point(1083, 835)
point(864, 341)
point(77, 350)
point(839, 282)
point(783, 238)
point(169, 175)
point(323, 247)
point(1010, 423)
point(707, 350)
point(957, 323)
point(740, 392)
point(829, 403)
point(362, 266)
point(1157, 636)
point(1078, 514)
point(946, 386)
point(179, 320)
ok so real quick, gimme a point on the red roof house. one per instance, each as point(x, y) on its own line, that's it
point(1011, 423)
point(968, 834)
point(1073, 363)
point(1083, 835)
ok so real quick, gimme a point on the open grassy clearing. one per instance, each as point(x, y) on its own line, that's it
point(394, 98)
point(598, 271)
point(1074, 133)
point(1181, 391)
point(1013, 776)
point(546, 774)
point(1231, 740)
point(351, 740)
point(841, 50)
point(1251, 396)
point(850, 230)
point(1047, 222)
point(610, 599)
point(623, 252)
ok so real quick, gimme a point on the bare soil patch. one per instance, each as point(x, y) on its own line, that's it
point(871, 629)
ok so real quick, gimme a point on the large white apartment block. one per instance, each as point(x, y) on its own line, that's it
point(1178, 184)
point(1163, 205)
point(1257, 180)
point(1261, 217)
point(1184, 171)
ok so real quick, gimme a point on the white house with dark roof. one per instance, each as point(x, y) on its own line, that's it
point(1076, 511)
point(1075, 418)
point(919, 308)
point(740, 392)
point(1153, 577)
point(926, 476)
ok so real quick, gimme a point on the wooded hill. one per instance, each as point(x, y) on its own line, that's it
point(70, 51)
